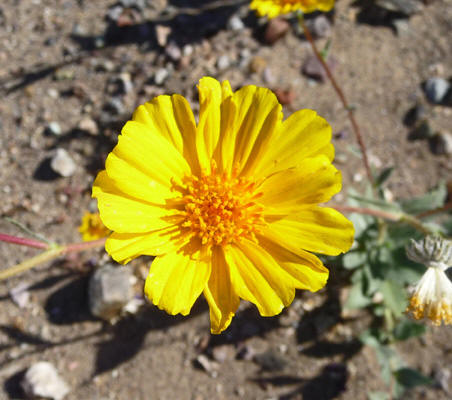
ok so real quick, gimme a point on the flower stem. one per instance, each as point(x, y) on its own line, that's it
point(23, 241)
point(341, 96)
point(396, 217)
point(49, 254)
point(30, 263)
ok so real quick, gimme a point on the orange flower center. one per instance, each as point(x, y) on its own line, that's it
point(221, 209)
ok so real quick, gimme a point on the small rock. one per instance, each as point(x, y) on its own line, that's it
point(235, 23)
point(401, 26)
point(268, 76)
point(421, 131)
point(441, 143)
point(62, 163)
point(246, 352)
point(285, 96)
point(442, 378)
point(53, 93)
point(114, 13)
point(173, 51)
point(160, 76)
point(162, 32)
point(271, 360)
point(121, 84)
point(314, 69)
point(223, 62)
point(88, 125)
point(414, 115)
point(407, 7)
point(62, 74)
point(138, 4)
point(20, 295)
point(209, 366)
point(319, 26)
point(43, 381)
point(436, 89)
point(257, 64)
point(223, 353)
point(103, 65)
point(109, 291)
point(276, 29)
point(114, 105)
point(54, 128)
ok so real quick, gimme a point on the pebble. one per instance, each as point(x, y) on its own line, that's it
point(173, 51)
point(285, 96)
point(160, 76)
point(276, 29)
point(162, 32)
point(271, 360)
point(442, 378)
point(209, 366)
point(319, 26)
point(436, 89)
point(54, 128)
point(114, 105)
point(257, 64)
point(20, 295)
point(43, 381)
point(415, 114)
point(121, 84)
point(62, 163)
point(223, 62)
point(223, 353)
point(88, 125)
point(441, 143)
point(235, 23)
point(421, 131)
point(314, 69)
point(53, 93)
point(109, 291)
point(268, 76)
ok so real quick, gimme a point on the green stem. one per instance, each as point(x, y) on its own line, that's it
point(48, 255)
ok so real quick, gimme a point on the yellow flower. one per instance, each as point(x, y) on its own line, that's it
point(92, 227)
point(273, 8)
point(228, 205)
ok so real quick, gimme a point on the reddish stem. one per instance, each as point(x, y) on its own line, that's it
point(341, 95)
point(23, 241)
point(75, 247)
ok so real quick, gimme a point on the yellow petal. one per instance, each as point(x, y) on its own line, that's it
point(304, 134)
point(317, 229)
point(220, 294)
point(225, 153)
point(151, 154)
point(257, 120)
point(172, 118)
point(122, 213)
point(315, 180)
point(124, 247)
point(210, 97)
point(175, 282)
point(136, 183)
point(257, 278)
point(305, 268)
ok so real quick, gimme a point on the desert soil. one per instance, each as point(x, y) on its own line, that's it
point(60, 62)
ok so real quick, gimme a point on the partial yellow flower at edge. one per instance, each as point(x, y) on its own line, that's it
point(274, 8)
point(229, 206)
point(92, 227)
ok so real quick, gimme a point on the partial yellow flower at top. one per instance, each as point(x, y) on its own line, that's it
point(228, 204)
point(273, 8)
point(92, 227)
